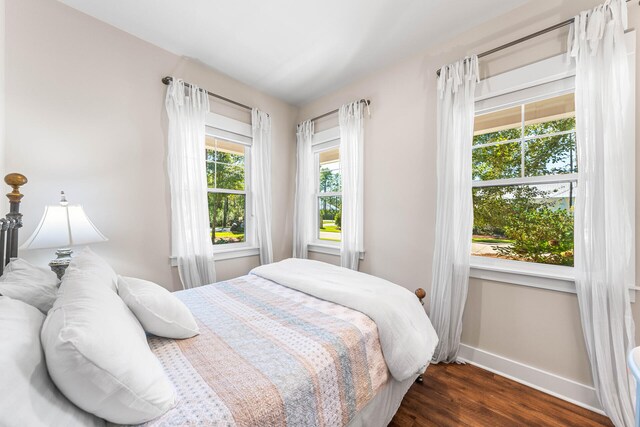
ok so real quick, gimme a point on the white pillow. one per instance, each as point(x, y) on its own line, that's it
point(159, 312)
point(28, 394)
point(98, 356)
point(34, 285)
point(87, 261)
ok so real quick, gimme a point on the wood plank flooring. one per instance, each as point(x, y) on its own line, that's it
point(465, 395)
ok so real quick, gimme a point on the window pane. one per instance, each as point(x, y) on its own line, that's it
point(211, 174)
point(229, 152)
point(500, 125)
point(550, 115)
point(550, 156)
point(531, 223)
point(330, 218)
point(225, 164)
point(227, 217)
point(330, 180)
point(497, 161)
point(229, 177)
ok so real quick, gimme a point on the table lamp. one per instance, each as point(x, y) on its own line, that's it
point(63, 226)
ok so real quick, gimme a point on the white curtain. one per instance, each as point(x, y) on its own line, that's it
point(603, 238)
point(351, 118)
point(261, 182)
point(305, 187)
point(454, 209)
point(190, 230)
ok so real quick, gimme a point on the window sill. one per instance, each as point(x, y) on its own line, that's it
point(327, 248)
point(230, 253)
point(543, 276)
point(551, 277)
point(237, 252)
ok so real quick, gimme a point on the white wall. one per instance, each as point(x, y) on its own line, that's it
point(537, 327)
point(86, 115)
point(4, 204)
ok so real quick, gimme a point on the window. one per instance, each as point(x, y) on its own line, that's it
point(328, 193)
point(524, 175)
point(227, 164)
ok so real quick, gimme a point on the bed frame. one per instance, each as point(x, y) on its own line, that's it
point(10, 225)
point(421, 294)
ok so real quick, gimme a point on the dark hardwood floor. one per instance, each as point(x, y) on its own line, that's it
point(465, 395)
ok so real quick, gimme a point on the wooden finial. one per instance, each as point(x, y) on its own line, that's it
point(15, 180)
point(421, 294)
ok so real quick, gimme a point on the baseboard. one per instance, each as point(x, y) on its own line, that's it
point(555, 385)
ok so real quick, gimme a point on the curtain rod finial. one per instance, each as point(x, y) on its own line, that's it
point(167, 80)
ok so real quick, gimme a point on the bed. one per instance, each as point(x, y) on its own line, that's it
point(270, 355)
point(295, 343)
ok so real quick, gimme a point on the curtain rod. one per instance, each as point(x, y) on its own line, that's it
point(167, 80)
point(364, 101)
point(525, 38)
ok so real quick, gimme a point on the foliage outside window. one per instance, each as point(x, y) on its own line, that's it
point(226, 190)
point(329, 195)
point(523, 171)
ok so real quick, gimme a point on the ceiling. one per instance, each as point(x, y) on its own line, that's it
point(295, 50)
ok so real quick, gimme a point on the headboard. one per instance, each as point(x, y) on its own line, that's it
point(12, 222)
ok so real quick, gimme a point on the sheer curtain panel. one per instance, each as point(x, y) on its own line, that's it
point(603, 238)
point(304, 199)
point(261, 182)
point(190, 230)
point(351, 118)
point(454, 209)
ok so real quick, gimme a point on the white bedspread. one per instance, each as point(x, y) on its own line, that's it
point(407, 337)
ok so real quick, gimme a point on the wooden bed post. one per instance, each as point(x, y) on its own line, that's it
point(421, 294)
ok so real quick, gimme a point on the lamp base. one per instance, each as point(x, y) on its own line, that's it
point(60, 264)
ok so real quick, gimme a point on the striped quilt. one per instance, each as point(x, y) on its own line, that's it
point(270, 356)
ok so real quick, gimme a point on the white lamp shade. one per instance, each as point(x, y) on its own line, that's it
point(63, 226)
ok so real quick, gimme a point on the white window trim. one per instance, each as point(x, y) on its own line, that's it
point(239, 132)
point(554, 277)
point(328, 249)
point(527, 180)
point(327, 135)
point(249, 226)
point(557, 278)
point(547, 78)
point(325, 140)
point(232, 253)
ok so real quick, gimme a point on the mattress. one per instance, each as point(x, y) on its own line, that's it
point(268, 355)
